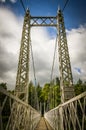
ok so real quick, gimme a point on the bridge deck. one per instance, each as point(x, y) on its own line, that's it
point(43, 125)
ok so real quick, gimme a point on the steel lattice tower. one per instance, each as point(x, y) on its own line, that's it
point(18, 113)
point(66, 80)
point(21, 89)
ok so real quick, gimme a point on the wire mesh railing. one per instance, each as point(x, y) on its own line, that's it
point(70, 115)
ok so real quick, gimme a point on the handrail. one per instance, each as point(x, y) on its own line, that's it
point(69, 115)
point(22, 116)
point(5, 92)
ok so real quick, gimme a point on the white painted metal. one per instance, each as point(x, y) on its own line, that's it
point(70, 115)
point(23, 116)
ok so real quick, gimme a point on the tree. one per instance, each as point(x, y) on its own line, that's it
point(31, 94)
point(39, 91)
point(79, 87)
point(2, 96)
point(57, 81)
point(5, 112)
point(3, 85)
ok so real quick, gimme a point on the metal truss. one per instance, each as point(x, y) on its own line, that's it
point(19, 117)
point(66, 80)
point(21, 89)
point(70, 115)
point(21, 113)
point(22, 117)
point(43, 21)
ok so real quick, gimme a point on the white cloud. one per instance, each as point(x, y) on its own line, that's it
point(43, 49)
point(2, 0)
point(13, 1)
point(77, 48)
point(10, 35)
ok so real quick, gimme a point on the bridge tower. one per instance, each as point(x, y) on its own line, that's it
point(21, 88)
point(66, 79)
point(18, 113)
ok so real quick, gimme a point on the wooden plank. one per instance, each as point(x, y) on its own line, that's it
point(43, 125)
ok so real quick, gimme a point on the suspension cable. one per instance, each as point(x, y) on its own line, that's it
point(36, 104)
point(33, 63)
point(50, 96)
point(65, 5)
point(53, 60)
point(23, 5)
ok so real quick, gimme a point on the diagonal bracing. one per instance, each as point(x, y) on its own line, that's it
point(66, 79)
point(21, 89)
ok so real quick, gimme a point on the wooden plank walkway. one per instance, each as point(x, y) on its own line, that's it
point(43, 125)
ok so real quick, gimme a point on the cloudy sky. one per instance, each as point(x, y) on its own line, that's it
point(43, 39)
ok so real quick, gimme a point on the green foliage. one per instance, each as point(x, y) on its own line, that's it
point(39, 93)
point(6, 107)
point(80, 87)
point(2, 96)
point(31, 95)
point(3, 85)
point(57, 81)
point(45, 92)
point(48, 95)
point(54, 96)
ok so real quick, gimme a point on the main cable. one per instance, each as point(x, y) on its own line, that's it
point(33, 63)
point(50, 95)
point(36, 104)
point(23, 5)
point(53, 60)
point(65, 5)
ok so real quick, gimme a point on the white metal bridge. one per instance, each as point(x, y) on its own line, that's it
point(70, 114)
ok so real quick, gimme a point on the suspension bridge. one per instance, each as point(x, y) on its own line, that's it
point(70, 114)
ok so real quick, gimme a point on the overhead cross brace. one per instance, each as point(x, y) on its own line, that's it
point(43, 21)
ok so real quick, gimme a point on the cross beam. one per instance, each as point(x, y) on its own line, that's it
point(43, 21)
